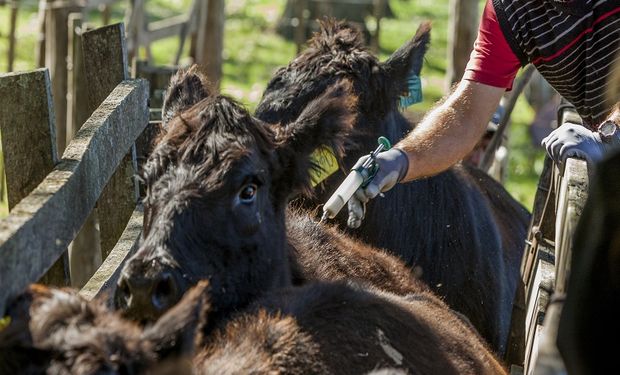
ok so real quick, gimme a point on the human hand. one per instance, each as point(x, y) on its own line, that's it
point(393, 166)
point(572, 140)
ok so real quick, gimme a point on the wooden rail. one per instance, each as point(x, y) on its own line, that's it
point(42, 225)
point(571, 196)
point(558, 205)
point(104, 280)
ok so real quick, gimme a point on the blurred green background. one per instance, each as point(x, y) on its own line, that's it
point(253, 50)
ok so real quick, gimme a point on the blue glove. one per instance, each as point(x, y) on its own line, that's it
point(393, 166)
point(572, 140)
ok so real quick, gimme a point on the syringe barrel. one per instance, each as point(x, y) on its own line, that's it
point(342, 195)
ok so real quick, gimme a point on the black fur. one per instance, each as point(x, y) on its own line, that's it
point(461, 229)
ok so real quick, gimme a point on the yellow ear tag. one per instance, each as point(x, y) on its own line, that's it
point(4, 322)
point(325, 158)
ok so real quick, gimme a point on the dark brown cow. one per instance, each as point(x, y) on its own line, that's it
point(317, 329)
point(199, 223)
point(461, 229)
point(55, 331)
point(218, 185)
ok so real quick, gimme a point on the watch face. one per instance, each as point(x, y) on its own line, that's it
point(607, 128)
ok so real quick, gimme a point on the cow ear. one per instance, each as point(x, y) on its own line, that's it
point(325, 122)
point(174, 334)
point(186, 88)
point(407, 61)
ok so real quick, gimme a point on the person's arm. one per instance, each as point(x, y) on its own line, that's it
point(444, 137)
point(451, 130)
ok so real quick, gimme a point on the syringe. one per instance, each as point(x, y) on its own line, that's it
point(359, 176)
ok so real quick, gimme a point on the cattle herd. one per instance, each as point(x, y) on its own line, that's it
point(234, 273)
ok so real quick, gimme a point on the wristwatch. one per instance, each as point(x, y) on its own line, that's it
point(608, 129)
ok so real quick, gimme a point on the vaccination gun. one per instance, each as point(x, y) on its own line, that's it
point(360, 176)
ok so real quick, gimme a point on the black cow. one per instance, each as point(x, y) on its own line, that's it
point(318, 329)
point(461, 229)
point(218, 185)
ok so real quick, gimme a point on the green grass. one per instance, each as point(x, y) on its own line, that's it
point(252, 51)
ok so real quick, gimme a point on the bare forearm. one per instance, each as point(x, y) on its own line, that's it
point(450, 130)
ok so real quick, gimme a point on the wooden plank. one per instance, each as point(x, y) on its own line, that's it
point(299, 23)
point(117, 201)
point(159, 79)
point(547, 360)
point(188, 29)
point(573, 193)
point(56, 48)
point(28, 142)
point(105, 14)
point(537, 306)
point(39, 53)
point(378, 9)
point(12, 27)
point(92, 4)
point(105, 61)
point(85, 250)
point(41, 226)
point(211, 40)
point(105, 56)
point(104, 280)
point(134, 19)
point(463, 19)
point(77, 97)
point(28, 133)
point(165, 28)
point(540, 228)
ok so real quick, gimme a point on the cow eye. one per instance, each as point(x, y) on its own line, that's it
point(248, 193)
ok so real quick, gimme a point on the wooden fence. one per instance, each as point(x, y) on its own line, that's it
point(558, 204)
point(61, 24)
point(204, 22)
point(51, 199)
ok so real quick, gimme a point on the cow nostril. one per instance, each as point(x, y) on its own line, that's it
point(123, 295)
point(164, 292)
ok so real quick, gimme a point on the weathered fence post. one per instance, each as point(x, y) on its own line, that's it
point(210, 42)
point(298, 22)
point(378, 9)
point(105, 61)
point(77, 98)
point(105, 13)
point(12, 27)
point(462, 32)
point(135, 24)
point(56, 41)
point(87, 242)
point(28, 140)
point(39, 53)
point(159, 78)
